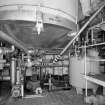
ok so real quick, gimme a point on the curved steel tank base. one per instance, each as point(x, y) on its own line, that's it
point(28, 13)
point(59, 17)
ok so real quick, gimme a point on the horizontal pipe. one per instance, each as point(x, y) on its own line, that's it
point(98, 44)
point(82, 29)
point(95, 80)
point(10, 33)
point(96, 60)
point(9, 39)
point(97, 26)
point(4, 78)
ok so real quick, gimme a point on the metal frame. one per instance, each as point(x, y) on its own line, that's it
point(97, 26)
point(88, 78)
point(97, 81)
point(85, 70)
point(82, 29)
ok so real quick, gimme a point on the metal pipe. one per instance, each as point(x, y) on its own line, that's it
point(98, 44)
point(18, 77)
point(69, 66)
point(92, 37)
point(4, 50)
point(96, 26)
point(22, 90)
point(9, 39)
point(85, 70)
point(4, 78)
point(82, 29)
point(10, 33)
point(13, 71)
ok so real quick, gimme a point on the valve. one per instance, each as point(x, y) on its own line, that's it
point(58, 58)
point(16, 91)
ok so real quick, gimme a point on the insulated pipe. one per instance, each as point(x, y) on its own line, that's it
point(13, 71)
point(9, 31)
point(9, 39)
point(82, 29)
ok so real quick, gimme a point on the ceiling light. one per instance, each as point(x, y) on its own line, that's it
point(39, 20)
point(39, 26)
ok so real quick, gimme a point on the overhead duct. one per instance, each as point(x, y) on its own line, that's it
point(9, 31)
point(9, 39)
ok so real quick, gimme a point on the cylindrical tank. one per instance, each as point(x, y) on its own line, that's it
point(77, 69)
point(61, 13)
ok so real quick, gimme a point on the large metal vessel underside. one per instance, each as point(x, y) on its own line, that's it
point(18, 19)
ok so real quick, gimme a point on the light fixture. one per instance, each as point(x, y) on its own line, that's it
point(39, 20)
point(39, 26)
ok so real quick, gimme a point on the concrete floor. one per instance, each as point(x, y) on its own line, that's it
point(68, 97)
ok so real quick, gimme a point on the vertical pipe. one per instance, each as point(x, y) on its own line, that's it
point(13, 71)
point(92, 38)
point(22, 90)
point(53, 67)
point(87, 39)
point(69, 67)
point(85, 71)
point(41, 73)
point(50, 84)
point(21, 82)
point(18, 77)
point(76, 10)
